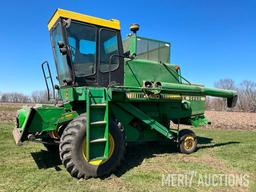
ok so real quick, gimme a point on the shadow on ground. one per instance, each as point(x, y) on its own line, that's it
point(47, 159)
point(205, 142)
point(135, 154)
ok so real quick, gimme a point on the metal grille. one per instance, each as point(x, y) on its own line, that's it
point(153, 50)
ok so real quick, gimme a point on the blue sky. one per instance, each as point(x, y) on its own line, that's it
point(211, 39)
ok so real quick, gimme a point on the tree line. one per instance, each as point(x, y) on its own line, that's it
point(14, 97)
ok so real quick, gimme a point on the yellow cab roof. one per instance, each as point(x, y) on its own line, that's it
point(60, 13)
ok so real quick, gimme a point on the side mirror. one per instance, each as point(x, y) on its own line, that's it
point(61, 44)
point(127, 54)
point(62, 47)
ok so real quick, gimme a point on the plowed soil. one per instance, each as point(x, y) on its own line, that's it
point(8, 111)
point(231, 120)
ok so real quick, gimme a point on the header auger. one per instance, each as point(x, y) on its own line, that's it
point(112, 92)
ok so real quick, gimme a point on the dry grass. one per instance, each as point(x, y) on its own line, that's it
point(32, 168)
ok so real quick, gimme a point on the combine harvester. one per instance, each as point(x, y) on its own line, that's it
point(111, 92)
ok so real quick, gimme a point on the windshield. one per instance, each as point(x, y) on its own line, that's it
point(82, 43)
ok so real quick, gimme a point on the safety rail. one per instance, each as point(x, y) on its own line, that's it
point(48, 77)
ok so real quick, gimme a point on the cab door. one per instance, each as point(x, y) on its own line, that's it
point(63, 69)
point(110, 64)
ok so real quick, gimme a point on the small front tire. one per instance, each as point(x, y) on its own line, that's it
point(187, 141)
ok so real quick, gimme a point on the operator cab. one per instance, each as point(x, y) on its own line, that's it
point(86, 49)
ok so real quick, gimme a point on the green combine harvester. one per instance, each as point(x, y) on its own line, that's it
point(111, 92)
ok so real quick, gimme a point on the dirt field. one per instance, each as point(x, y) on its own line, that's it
point(218, 119)
point(8, 111)
point(232, 120)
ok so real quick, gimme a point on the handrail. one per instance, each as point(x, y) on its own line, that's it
point(46, 64)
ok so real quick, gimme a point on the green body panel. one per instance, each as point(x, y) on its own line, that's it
point(43, 118)
point(199, 120)
point(130, 44)
point(70, 94)
point(136, 112)
point(137, 71)
point(135, 133)
point(22, 117)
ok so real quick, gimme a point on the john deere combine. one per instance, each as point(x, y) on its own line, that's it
point(110, 93)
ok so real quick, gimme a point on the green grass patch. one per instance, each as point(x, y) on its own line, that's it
point(32, 168)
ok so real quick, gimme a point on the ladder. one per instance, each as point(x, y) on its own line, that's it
point(97, 125)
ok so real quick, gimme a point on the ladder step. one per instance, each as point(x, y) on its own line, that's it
point(98, 140)
point(98, 105)
point(98, 123)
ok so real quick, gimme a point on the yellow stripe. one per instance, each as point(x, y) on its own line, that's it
point(114, 24)
point(69, 115)
point(95, 162)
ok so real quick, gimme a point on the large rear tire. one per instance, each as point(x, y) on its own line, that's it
point(72, 149)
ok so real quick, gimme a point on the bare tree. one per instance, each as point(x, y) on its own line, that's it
point(208, 102)
point(4, 98)
point(15, 98)
point(247, 96)
point(40, 97)
point(220, 103)
point(36, 97)
point(225, 84)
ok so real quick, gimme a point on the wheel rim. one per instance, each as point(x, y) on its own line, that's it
point(189, 142)
point(111, 151)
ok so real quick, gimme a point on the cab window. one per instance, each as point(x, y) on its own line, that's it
point(82, 43)
point(108, 49)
